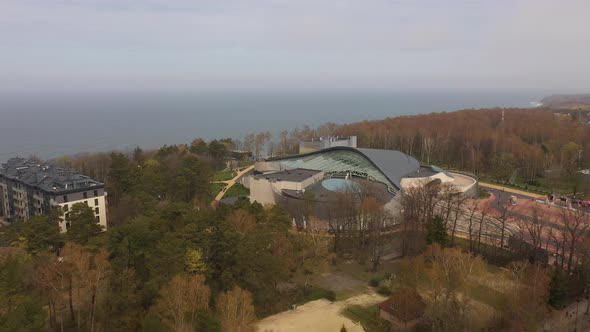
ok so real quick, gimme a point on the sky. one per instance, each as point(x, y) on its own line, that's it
point(145, 45)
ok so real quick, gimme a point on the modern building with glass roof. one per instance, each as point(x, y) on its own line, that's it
point(330, 174)
point(384, 166)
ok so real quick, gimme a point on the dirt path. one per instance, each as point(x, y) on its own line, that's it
point(319, 315)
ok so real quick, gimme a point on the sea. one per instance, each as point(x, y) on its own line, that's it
point(54, 125)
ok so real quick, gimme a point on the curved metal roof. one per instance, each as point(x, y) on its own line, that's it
point(383, 165)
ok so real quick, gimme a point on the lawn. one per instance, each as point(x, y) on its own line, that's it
point(215, 188)
point(244, 164)
point(237, 190)
point(489, 296)
point(368, 317)
point(223, 175)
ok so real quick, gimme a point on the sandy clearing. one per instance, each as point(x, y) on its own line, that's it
point(319, 315)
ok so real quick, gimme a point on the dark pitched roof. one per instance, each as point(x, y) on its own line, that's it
point(45, 176)
point(405, 305)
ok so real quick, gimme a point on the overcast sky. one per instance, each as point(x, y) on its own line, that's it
point(48, 45)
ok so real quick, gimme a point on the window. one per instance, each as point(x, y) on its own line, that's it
point(65, 198)
point(96, 210)
point(96, 201)
point(85, 194)
point(95, 193)
point(67, 215)
point(66, 208)
point(97, 219)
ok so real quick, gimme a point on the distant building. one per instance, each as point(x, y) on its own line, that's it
point(29, 188)
point(239, 155)
point(316, 144)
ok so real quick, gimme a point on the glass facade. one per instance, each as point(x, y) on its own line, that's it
point(339, 162)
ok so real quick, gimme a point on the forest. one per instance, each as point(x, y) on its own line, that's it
point(168, 262)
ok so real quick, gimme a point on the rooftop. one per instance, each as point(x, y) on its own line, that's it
point(45, 176)
point(386, 166)
point(426, 171)
point(327, 138)
point(294, 175)
point(405, 305)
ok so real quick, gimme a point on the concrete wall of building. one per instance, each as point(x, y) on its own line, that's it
point(463, 183)
point(98, 204)
point(472, 191)
point(261, 191)
point(398, 325)
point(387, 316)
point(311, 180)
point(264, 166)
point(408, 183)
point(4, 201)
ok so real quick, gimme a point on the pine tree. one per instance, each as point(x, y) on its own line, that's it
point(557, 290)
point(436, 231)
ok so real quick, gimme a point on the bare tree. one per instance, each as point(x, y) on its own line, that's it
point(315, 250)
point(559, 243)
point(249, 142)
point(375, 217)
point(52, 280)
point(531, 230)
point(472, 219)
point(283, 148)
point(235, 310)
point(419, 204)
point(180, 301)
point(502, 220)
point(457, 203)
point(427, 147)
point(575, 225)
point(260, 141)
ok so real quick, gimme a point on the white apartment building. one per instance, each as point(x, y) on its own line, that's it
point(29, 188)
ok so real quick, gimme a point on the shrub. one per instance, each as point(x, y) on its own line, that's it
point(535, 183)
point(375, 280)
point(483, 193)
point(384, 290)
point(330, 296)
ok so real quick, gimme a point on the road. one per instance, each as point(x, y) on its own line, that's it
point(229, 184)
point(511, 190)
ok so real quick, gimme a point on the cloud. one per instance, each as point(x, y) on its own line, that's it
point(458, 43)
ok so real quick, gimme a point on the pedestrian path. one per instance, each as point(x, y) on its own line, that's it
point(230, 183)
